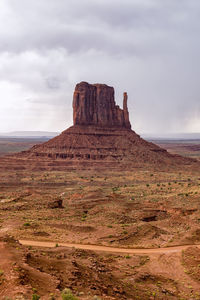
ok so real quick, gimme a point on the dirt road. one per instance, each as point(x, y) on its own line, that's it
point(141, 251)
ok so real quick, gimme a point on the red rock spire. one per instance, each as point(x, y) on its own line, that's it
point(126, 113)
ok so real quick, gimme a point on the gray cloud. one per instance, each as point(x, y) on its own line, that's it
point(150, 48)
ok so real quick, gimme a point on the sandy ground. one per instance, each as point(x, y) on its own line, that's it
point(174, 249)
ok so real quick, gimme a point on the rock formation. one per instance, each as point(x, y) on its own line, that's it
point(94, 104)
point(101, 136)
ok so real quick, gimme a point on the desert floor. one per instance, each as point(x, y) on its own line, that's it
point(134, 209)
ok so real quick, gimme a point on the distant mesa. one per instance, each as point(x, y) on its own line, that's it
point(29, 134)
point(101, 135)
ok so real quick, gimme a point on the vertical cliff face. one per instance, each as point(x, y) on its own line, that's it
point(94, 104)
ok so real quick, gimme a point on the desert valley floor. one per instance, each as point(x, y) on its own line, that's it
point(137, 208)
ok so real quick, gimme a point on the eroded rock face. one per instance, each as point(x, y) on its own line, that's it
point(94, 104)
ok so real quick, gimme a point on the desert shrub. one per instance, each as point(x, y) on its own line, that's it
point(68, 295)
point(35, 297)
point(84, 216)
point(115, 189)
point(27, 224)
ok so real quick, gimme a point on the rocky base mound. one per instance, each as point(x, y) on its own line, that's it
point(91, 143)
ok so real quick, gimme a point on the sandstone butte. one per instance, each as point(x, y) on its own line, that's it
point(101, 135)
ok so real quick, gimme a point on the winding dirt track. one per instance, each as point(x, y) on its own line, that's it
point(174, 249)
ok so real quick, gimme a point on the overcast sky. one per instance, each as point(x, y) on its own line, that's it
point(149, 48)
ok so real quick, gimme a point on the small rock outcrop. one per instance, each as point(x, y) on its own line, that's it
point(57, 203)
point(94, 104)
